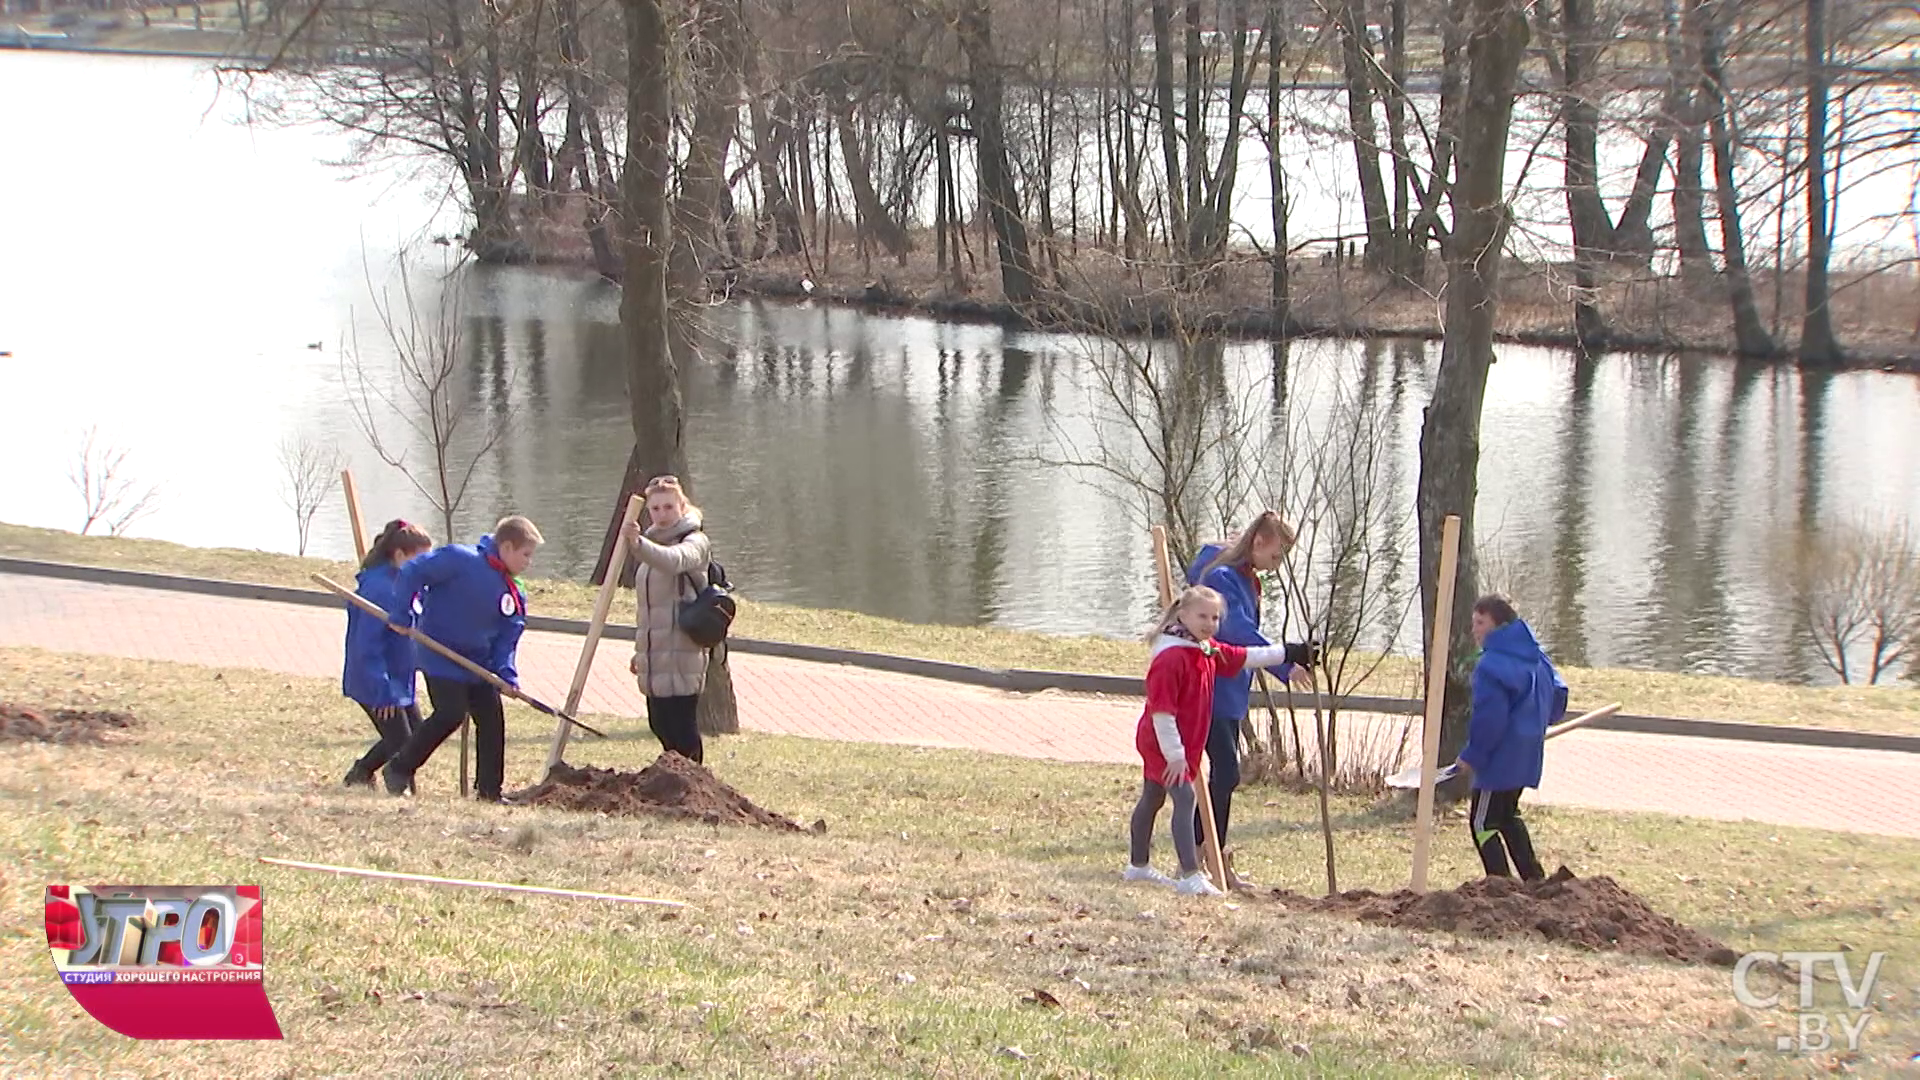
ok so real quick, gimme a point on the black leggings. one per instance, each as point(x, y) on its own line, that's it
point(1496, 819)
point(393, 733)
point(453, 701)
point(675, 722)
point(1223, 774)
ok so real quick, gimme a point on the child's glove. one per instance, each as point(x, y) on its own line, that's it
point(1303, 653)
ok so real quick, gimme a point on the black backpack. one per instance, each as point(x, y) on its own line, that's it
point(709, 615)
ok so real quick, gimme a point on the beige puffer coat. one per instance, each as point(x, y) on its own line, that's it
point(670, 566)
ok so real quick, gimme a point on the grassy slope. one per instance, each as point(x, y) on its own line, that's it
point(950, 885)
point(1887, 708)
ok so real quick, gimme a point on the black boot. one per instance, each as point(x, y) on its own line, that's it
point(398, 783)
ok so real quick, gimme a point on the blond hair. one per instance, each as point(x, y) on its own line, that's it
point(670, 483)
point(1268, 523)
point(1191, 595)
point(518, 531)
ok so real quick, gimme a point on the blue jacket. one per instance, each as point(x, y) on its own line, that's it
point(1239, 625)
point(380, 663)
point(1517, 695)
point(468, 605)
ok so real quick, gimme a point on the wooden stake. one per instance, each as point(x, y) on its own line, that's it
point(539, 890)
point(602, 605)
point(1214, 862)
point(353, 515)
point(1436, 697)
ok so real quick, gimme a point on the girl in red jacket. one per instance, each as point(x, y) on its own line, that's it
point(1173, 727)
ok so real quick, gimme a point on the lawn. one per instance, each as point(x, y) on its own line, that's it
point(1858, 708)
point(949, 887)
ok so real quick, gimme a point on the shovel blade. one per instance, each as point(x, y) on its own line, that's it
point(1409, 777)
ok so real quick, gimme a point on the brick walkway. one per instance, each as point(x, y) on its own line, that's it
point(1852, 790)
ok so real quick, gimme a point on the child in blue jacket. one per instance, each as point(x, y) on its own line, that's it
point(1233, 570)
point(380, 663)
point(1517, 695)
point(470, 603)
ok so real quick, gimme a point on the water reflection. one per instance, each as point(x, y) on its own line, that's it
point(885, 464)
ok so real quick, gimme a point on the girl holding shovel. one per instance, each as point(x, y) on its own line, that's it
point(1173, 727)
point(380, 665)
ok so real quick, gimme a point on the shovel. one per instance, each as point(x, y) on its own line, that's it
point(495, 681)
point(1409, 777)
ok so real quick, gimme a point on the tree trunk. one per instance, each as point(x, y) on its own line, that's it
point(1357, 60)
point(768, 149)
point(1818, 346)
point(1453, 80)
point(715, 41)
point(584, 132)
point(716, 713)
point(653, 382)
point(1169, 130)
point(1689, 226)
point(1750, 336)
point(1586, 210)
point(986, 111)
point(1195, 113)
point(1403, 175)
point(1450, 435)
point(1282, 287)
point(874, 219)
point(1209, 232)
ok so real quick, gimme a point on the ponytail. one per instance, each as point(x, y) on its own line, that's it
point(1240, 552)
point(399, 535)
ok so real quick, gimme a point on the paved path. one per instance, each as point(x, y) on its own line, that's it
point(1867, 791)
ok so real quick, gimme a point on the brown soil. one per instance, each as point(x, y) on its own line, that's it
point(1593, 913)
point(670, 787)
point(19, 723)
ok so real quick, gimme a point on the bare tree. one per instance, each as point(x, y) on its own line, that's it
point(1171, 439)
point(309, 471)
point(1342, 585)
point(419, 384)
point(1858, 594)
point(113, 497)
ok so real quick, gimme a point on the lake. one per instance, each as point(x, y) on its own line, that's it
point(168, 268)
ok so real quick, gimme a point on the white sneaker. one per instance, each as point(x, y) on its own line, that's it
point(1145, 873)
point(1196, 884)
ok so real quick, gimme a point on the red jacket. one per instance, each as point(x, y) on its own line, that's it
point(1180, 681)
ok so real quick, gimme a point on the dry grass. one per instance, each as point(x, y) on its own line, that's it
point(1857, 708)
point(951, 886)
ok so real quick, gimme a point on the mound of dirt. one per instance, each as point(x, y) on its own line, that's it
point(1594, 913)
point(18, 723)
point(670, 787)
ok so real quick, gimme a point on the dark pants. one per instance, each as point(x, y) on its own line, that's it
point(1223, 773)
point(1499, 832)
point(453, 701)
point(394, 733)
point(675, 722)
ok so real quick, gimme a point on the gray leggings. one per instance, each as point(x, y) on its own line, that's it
point(1152, 797)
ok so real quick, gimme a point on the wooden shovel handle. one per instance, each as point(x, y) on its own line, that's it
point(415, 633)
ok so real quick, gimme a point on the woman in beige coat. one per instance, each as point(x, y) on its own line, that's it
point(670, 567)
